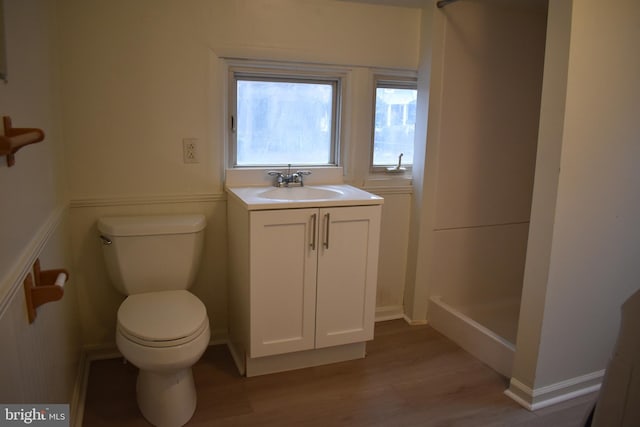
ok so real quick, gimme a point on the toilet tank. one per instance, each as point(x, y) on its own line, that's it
point(152, 253)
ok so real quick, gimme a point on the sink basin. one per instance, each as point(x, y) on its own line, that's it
point(300, 193)
point(267, 198)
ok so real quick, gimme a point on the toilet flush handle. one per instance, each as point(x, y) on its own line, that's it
point(105, 240)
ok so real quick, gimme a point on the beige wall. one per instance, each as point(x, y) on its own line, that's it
point(31, 189)
point(587, 178)
point(492, 77)
point(139, 77)
point(485, 87)
point(39, 361)
point(425, 168)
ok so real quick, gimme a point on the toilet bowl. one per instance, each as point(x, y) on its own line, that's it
point(163, 334)
point(162, 328)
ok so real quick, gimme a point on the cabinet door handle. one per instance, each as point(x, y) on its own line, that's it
point(313, 232)
point(327, 219)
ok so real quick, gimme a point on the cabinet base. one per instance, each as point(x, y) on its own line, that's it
point(297, 360)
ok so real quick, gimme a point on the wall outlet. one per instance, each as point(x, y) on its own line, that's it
point(190, 150)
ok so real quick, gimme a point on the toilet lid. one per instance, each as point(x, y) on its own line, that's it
point(162, 316)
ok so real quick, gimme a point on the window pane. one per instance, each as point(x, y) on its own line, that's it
point(281, 122)
point(395, 120)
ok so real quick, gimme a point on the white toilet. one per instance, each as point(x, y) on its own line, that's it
point(163, 329)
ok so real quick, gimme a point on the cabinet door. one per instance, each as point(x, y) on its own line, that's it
point(283, 264)
point(347, 274)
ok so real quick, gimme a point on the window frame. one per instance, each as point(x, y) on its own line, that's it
point(391, 82)
point(285, 73)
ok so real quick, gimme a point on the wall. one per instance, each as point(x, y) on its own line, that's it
point(31, 188)
point(587, 178)
point(425, 167)
point(39, 362)
point(486, 65)
point(137, 78)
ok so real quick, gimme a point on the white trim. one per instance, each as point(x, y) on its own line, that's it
point(389, 312)
point(101, 351)
point(238, 359)
point(12, 281)
point(90, 353)
point(474, 338)
point(534, 399)
point(147, 200)
point(79, 397)
point(414, 322)
point(289, 72)
point(252, 177)
point(255, 65)
point(484, 330)
point(110, 350)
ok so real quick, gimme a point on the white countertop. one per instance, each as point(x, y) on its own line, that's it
point(263, 198)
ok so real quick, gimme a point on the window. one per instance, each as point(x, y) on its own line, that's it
point(281, 118)
point(394, 122)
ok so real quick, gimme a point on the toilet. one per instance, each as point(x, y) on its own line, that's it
point(162, 328)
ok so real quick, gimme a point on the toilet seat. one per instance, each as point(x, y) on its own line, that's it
point(162, 319)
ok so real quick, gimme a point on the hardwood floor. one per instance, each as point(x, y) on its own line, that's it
point(412, 376)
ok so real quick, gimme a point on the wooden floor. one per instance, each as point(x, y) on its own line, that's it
point(412, 376)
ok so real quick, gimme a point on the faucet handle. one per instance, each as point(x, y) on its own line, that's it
point(299, 175)
point(279, 181)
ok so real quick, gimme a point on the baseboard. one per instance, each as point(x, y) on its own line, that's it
point(534, 399)
point(88, 354)
point(80, 390)
point(413, 322)
point(238, 358)
point(474, 338)
point(219, 337)
point(389, 312)
point(96, 352)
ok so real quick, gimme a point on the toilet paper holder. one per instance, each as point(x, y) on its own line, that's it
point(43, 287)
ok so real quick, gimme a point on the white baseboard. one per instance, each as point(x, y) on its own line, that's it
point(394, 312)
point(474, 338)
point(80, 390)
point(238, 358)
point(389, 312)
point(413, 322)
point(92, 353)
point(219, 337)
point(534, 399)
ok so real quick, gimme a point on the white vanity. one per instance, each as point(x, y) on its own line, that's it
point(303, 272)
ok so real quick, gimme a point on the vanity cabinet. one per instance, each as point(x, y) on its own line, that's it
point(303, 284)
point(313, 277)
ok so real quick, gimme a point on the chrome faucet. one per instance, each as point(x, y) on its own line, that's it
point(287, 179)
